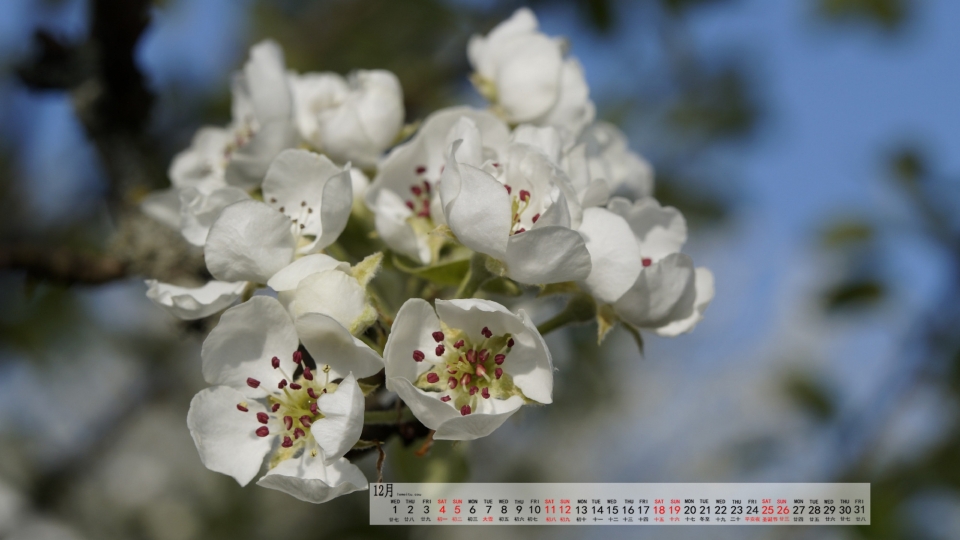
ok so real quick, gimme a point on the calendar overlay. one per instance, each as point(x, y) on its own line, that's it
point(620, 504)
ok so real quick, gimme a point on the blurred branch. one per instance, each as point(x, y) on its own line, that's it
point(62, 265)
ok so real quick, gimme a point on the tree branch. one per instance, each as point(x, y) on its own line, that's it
point(62, 265)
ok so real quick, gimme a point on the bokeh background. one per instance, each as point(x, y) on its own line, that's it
point(812, 145)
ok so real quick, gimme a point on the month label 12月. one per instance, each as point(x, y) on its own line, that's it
point(620, 504)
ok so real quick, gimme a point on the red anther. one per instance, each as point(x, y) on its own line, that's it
point(241, 408)
point(262, 417)
point(288, 422)
point(520, 230)
point(432, 378)
point(647, 261)
point(486, 332)
point(524, 195)
point(314, 409)
point(485, 393)
point(311, 393)
point(426, 186)
point(287, 442)
point(465, 410)
point(305, 421)
point(282, 384)
point(425, 213)
point(458, 344)
point(445, 399)
point(418, 356)
point(498, 359)
point(483, 355)
point(275, 362)
point(452, 370)
point(481, 371)
point(509, 189)
point(297, 433)
point(297, 357)
point(295, 386)
point(437, 336)
point(417, 190)
point(441, 168)
point(510, 342)
point(275, 407)
point(410, 205)
point(452, 382)
point(307, 374)
point(465, 380)
point(473, 390)
point(421, 169)
point(536, 217)
point(472, 356)
point(440, 350)
point(498, 373)
point(262, 431)
point(253, 383)
point(496, 164)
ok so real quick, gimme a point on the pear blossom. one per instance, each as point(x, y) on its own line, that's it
point(528, 76)
point(353, 119)
point(664, 293)
point(194, 303)
point(269, 399)
point(465, 367)
point(522, 213)
point(404, 196)
point(603, 161)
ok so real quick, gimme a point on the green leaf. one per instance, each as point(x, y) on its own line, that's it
point(502, 285)
point(449, 272)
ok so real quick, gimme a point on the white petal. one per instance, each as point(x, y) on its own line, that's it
point(703, 282)
point(266, 80)
point(472, 314)
point(315, 92)
point(660, 231)
point(332, 293)
point(546, 139)
point(249, 163)
point(295, 182)
point(248, 242)
point(342, 421)
point(200, 166)
point(329, 343)
point(545, 255)
point(290, 276)
point(661, 289)
point(470, 150)
point(614, 255)
point(243, 343)
point(484, 51)
point(476, 207)
point(334, 209)
point(426, 406)
point(391, 223)
point(573, 109)
point(308, 479)
point(530, 363)
point(199, 210)
point(164, 206)
point(411, 331)
point(225, 436)
point(194, 303)
point(528, 79)
point(493, 414)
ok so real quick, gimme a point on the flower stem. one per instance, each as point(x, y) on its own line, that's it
point(475, 277)
point(391, 416)
point(579, 309)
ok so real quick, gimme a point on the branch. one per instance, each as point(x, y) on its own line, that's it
point(62, 265)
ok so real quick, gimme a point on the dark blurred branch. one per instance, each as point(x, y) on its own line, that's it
point(62, 265)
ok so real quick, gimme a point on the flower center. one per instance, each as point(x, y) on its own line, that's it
point(519, 204)
point(292, 405)
point(419, 202)
point(464, 371)
point(241, 136)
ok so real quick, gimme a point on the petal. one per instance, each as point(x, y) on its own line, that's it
point(493, 414)
point(614, 256)
point(335, 208)
point(266, 80)
point(660, 231)
point(248, 242)
point(412, 330)
point(661, 288)
point(308, 479)
point(329, 343)
point(573, 109)
point(164, 206)
point(470, 151)
point(243, 343)
point(194, 303)
point(199, 166)
point(472, 314)
point(427, 407)
point(476, 207)
point(703, 281)
point(528, 79)
point(313, 92)
point(290, 276)
point(336, 294)
point(530, 363)
point(396, 232)
point(549, 254)
point(545, 139)
point(249, 163)
point(295, 182)
point(225, 436)
point(342, 421)
point(198, 210)
point(483, 51)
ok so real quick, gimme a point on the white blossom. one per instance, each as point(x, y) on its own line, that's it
point(466, 367)
point(528, 76)
point(603, 162)
point(353, 119)
point(267, 400)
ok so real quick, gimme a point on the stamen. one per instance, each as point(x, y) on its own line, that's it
point(437, 336)
point(486, 332)
point(275, 408)
point(509, 189)
point(465, 410)
point(520, 230)
point(314, 409)
point(536, 217)
point(472, 356)
point(275, 362)
point(440, 350)
point(421, 169)
point(481, 371)
point(458, 344)
point(253, 383)
point(432, 378)
point(510, 342)
point(282, 384)
point(465, 380)
point(287, 442)
point(473, 390)
point(287, 422)
point(452, 382)
point(410, 205)
point(416, 190)
point(483, 355)
point(305, 421)
point(418, 356)
point(498, 373)
point(295, 386)
point(445, 399)
point(297, 357)
point(297, 433)
point(524, 195)
point(242, 408)
point(485, 393)
point(498, 359)
point(426, 186)
point(262, 431)
point(307, 374)
point(647, 261)
point(311, 393)
point(262, 417)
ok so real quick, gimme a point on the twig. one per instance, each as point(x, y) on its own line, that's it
point(62, 265)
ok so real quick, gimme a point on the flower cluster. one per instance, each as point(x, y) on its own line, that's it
point(528, 197)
